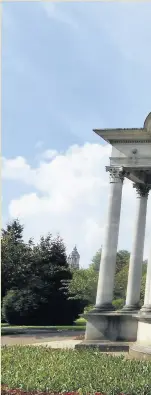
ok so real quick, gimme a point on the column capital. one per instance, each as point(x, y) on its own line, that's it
point(116, 174)
point(142, 190)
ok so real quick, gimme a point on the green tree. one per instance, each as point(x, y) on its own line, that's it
point(19, 306)
point(121, 279)
point(120, 283)
point(15, 258)
point(84, 281)
point(121, 260)
point(95, 263)
point(50, 270)
point(83, 285)
point(36, 280)
point(143, 289)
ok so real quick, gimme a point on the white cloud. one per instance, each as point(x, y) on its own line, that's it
point(69, 195)
point(49, 154)
point(15, 168)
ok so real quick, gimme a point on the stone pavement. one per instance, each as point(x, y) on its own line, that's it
point(56, 343)
point(70, 344)
point(47, 337)
point(59, 344)
point(55, 340)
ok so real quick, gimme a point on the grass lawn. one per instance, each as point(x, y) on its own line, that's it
point(65, 327)
point(79, 324)
point(4, 324)
point(87, 371)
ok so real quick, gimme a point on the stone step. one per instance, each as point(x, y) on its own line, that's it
point(104, 346)
point(140, 351)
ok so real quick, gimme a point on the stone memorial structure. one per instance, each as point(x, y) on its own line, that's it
point(130, 158)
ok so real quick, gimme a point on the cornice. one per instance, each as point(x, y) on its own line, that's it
point(131, 141)
point(127, 135)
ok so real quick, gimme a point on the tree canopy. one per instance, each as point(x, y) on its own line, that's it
point(35, 279)
point(38, 286)
point(84, 281)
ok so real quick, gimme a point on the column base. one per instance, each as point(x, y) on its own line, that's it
point(110, 326)
point(106, 307)
point(138, 351)
point(146, 309)
point(141, 349)
point(133, 308)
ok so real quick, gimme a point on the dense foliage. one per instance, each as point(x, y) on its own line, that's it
point(39, 288)
point(84, 284)
point(35, 280)
point(57, 371)
point(84, 281)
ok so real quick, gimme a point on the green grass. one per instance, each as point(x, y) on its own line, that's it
point(44, 369)
point(79, 324)
point(4, 324)
point(58, 327)
point(20, 330)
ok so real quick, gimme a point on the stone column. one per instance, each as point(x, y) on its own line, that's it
point(108, 257)
point(147, 299)
point(136, 258)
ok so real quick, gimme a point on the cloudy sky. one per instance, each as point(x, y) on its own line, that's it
point(68, 68)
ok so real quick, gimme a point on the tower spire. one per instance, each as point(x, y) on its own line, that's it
point(74, 258)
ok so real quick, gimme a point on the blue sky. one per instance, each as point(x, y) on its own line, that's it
point(66, 69)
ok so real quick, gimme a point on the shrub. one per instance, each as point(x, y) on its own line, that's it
point(80, 321)
point(22, 307)
point(118, 303)
point(18, 307)
point(88, 308)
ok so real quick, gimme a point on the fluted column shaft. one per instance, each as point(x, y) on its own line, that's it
point(108, 257)
point(136, 258)
point(147, 299)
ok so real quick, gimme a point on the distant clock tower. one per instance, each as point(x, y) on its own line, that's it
point(74, 258)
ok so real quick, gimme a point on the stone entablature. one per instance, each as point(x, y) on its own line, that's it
point(131, 149)
point(134, 150)
point(132, 162)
